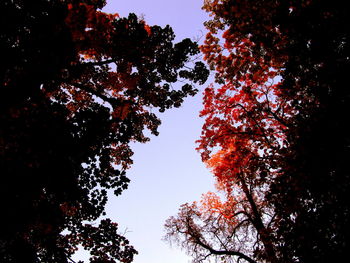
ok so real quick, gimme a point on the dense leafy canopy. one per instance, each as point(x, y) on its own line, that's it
point(275, 135)
point(77, 86)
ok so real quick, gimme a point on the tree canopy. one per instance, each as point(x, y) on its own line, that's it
point(275, 135)
point(78, 85)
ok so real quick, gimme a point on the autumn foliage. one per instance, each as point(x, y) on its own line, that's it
point(77, 87)
point(274, 135)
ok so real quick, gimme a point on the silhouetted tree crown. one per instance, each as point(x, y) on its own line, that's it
point(77, 86)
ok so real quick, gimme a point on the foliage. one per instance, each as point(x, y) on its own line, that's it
point(275, 135)
point(78, 85)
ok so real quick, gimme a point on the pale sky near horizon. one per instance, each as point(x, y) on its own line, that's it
point(167, 171)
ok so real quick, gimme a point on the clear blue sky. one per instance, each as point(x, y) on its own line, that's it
point(167, 171)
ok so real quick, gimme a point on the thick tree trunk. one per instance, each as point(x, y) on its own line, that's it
point(259, 225)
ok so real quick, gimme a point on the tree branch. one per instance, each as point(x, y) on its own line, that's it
point(111, 100)
point(98, 63)
point(225, 252)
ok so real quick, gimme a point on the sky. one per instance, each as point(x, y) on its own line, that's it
point(167, 171)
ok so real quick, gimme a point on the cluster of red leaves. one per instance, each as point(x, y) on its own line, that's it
point(88, 25)
point(212, 204)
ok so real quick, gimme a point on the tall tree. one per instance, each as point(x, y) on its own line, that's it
point(78, 85)
point(274, 134)
point(310, 195)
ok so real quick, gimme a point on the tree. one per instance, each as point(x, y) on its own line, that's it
point(274, 134)
point(314, 220)
point(78, 85)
